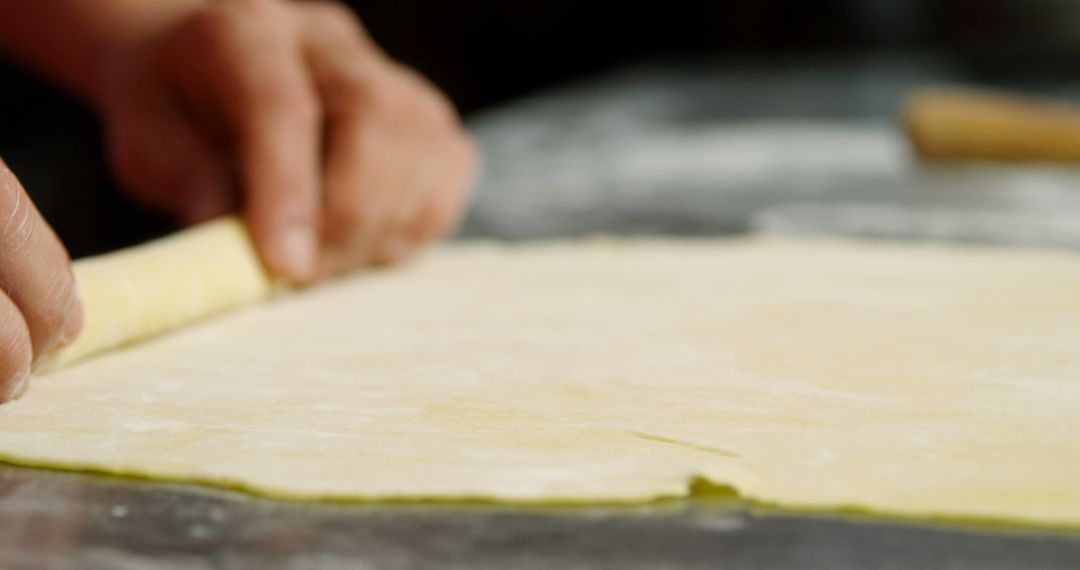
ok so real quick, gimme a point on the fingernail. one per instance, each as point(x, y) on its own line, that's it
point(72, 326)
point(298, 245)
point(17, 387)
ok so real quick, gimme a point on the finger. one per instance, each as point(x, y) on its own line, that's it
point(444, 176)
point(378, 140)
point(35, 271)
point(443, 211)
point(438, 158)
point(359, 157)
point(165, 162)
point(254, 67)
point(394, 146)
point(396, 242)
point(353, 209)
point(335, 28)
point(381, 181)
point(443, 184)
point(16, 351)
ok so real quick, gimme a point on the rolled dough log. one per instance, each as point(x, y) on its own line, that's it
point(899, 379)
point(139, 292)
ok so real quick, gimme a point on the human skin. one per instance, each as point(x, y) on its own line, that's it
point(337, 156)
point(39, 309)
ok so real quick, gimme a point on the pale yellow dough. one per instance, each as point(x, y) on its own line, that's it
point(143, 291)
point(900, 379)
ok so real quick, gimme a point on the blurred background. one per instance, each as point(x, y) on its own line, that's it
point(680, 117)
point(484, 52)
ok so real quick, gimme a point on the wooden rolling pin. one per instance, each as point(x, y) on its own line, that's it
point(955, 124)
point(146, 290)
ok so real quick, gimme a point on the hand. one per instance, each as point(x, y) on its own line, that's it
point(39, 308)
point(340, 157)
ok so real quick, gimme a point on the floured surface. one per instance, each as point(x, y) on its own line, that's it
point(899, 379)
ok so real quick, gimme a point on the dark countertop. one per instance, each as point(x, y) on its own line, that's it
point(76, 521)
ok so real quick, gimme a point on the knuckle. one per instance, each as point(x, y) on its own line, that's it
point(221, 25)
point(435, 110)
point(244, 10)
point(408, 99)
point(392, 96)
point(347, 220)
point(335, 19)
point(391, 101)
point(333, 15)
point(426, 96)
point(248, 4)
point(384, 93)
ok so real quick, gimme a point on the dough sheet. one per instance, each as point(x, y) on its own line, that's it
point(910, 380)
